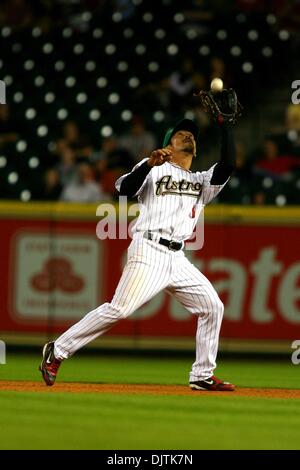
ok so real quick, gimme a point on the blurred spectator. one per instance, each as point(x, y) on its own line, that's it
point(288, 134)
point(272, 164)
point(66, 167)
point(78, 142)
point(181, 84)
point(112, 162)
point(72, 147)
point(293, 117)
point(52, 188)
point(293, 128)
point(153, 95)
point(8, 132)
point(259, 198)
point(175, 93)
point(138, 142)
point(112, 155)
point(84, 189)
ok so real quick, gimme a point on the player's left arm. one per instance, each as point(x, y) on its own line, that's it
point(227, 163)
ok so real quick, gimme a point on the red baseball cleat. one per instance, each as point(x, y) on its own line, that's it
point(212, 384)
point(49, 365)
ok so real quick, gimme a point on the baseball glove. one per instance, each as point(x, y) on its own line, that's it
point(222, 106)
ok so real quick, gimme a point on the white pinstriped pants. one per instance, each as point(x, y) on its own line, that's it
point(150, 268)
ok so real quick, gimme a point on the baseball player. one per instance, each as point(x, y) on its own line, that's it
point(171, 198)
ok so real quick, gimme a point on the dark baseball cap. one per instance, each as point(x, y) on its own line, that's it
point(182, 125)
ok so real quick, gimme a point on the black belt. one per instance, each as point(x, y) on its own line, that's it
point(171, 244)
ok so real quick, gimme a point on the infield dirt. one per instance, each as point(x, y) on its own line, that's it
point(27, 386)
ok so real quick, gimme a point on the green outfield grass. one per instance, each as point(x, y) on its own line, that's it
point(110, 421)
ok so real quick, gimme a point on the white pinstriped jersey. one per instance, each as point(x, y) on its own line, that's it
point(171, 199)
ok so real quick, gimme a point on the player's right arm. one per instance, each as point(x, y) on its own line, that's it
point(130, 185)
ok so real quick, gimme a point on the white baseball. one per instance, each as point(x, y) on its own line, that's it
point(216, 85)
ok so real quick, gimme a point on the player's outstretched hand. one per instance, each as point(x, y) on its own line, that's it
point(160, 156)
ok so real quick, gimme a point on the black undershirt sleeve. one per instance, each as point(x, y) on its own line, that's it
point(132, 183)
point(225, 167)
